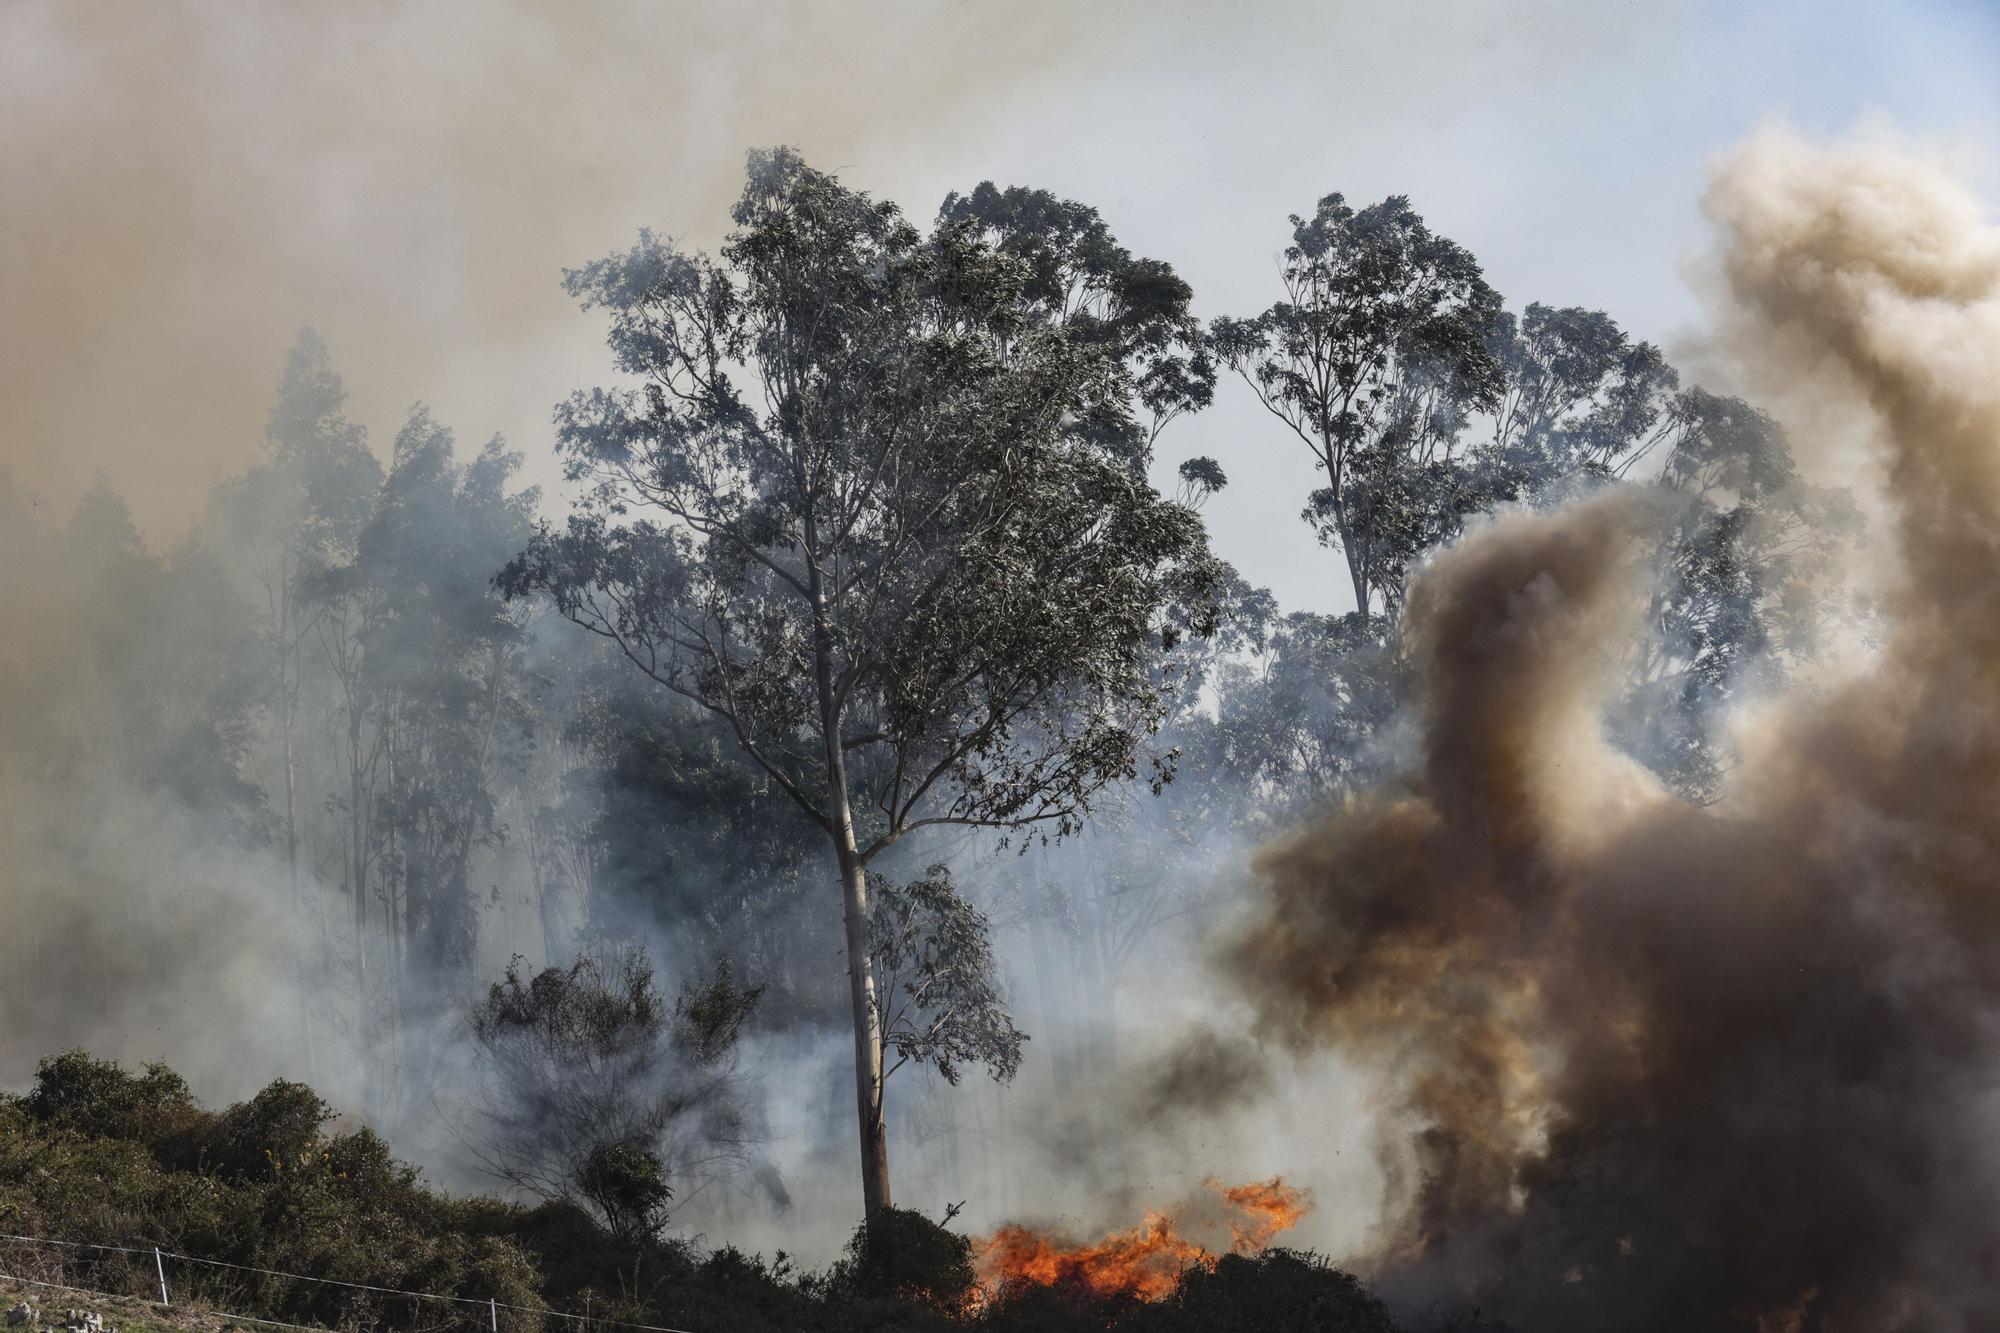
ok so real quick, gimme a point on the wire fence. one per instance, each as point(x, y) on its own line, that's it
point(121, 1271)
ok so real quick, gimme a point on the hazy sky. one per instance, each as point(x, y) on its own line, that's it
point(182, 186)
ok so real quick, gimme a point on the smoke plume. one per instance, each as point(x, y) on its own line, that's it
point(186, 184)
point(1655, 1066)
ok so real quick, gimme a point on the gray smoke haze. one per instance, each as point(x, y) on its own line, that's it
point(133, 919)
point(1576, 987)
point(186, 184)
point(182, 185)
point(1653, 1066)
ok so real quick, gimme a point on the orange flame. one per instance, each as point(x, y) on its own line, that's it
point(1144, 1261)
point(1268, 1207)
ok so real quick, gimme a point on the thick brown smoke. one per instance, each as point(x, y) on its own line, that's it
point(1659, 1067)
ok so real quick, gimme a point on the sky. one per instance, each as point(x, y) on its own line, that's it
point(183, 185)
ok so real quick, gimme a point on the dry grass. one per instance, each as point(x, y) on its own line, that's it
point(127, 1314)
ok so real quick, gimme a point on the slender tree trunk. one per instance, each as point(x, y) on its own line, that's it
point(854, 903)
point(1356, 572)
point(358, 881)
point(289, 683)
point(954, 1160)
point(298, 892)
point(867, 1031)
point(540, 873)
point(1091, 958)
point(1058, 1025)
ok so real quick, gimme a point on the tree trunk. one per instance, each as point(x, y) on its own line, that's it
point(358, 882)
point(1090, 959)
point(1355, 572)
point(304, 980)
point(867, 1037)
point(854, 903)
point(540, 874)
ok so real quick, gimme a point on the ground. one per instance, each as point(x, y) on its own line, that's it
point(124, 1313)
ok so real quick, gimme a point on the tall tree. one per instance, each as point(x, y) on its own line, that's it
point(124, 717)
point(863, 509)
point(1373, 359)
point(442, 652)
point(278, 526)
point(1578, 397)
point(1746, 586)
point(668, 831)
point(424, 655)
point(1078, 276)
point(1298, 716)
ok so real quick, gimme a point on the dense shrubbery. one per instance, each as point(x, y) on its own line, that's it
point(95, 1153)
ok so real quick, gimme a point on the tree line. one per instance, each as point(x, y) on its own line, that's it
point(864, 587)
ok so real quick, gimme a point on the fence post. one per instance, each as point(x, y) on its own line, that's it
point(160, 1267)
point(493, 1308)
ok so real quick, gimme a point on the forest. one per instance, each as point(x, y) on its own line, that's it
point(823, 812)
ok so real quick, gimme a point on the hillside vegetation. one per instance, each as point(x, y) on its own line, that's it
point(98, 1155)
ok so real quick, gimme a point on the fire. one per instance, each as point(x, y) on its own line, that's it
point(1144, 1261)
point(1267, 1207)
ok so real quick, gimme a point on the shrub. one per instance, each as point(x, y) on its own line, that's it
point(628, 1183)
point(99, 1098)
point(279, 1127)
point(1276, 1289)
point(595, 1087)
point(904, 1254)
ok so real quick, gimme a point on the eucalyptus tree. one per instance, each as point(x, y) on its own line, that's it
point(124, 716)
point(1375, 358)
point(1747, 584)
point(671, 833)
point(937, 981)
point(277, 527)
point(441, 680)
point(1578, 397)
point(1740, 593)
point(297, 512)
point(1077, 275)
point(863, 505)
point(1299, 716)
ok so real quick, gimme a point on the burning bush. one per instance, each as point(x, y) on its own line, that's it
point(1147, 1261)
point(1278, 1289)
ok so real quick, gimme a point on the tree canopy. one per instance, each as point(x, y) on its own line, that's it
point(878, 501)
